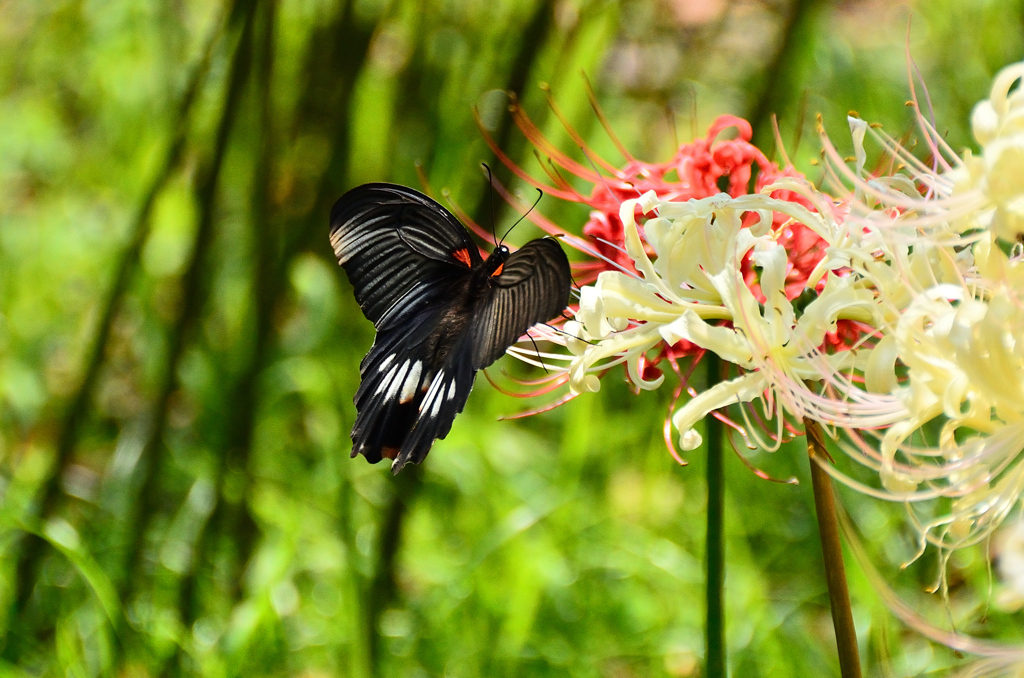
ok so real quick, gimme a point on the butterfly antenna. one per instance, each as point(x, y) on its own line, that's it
point(537, 350)
point(540, 194)
point(490, 199)
point(576, 284)
point(570, 334)
point(603, 182)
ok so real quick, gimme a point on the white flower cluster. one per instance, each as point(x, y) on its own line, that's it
point(931, 393)
point(696, 282)
point(952, 346)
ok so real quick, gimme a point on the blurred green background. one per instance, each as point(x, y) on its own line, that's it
point(179, 350)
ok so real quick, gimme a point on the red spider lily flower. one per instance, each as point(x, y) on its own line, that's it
point(698, 170)
point(695, 171)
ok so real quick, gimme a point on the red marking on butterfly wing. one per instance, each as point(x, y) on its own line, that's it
point(462, 255)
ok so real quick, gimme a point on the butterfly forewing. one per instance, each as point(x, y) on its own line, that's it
point(440, 311)
point(391, 241)
point(532, 287)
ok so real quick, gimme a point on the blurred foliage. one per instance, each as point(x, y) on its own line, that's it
point(178, 349)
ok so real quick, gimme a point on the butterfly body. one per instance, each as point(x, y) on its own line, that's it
point(441, 312)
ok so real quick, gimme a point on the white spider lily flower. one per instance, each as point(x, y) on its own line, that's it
point(998, 126)
point(963, 194)
point(949, 288)
point(961, 352)
point(696, 282)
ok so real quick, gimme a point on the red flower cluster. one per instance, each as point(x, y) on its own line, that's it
point(699, 169)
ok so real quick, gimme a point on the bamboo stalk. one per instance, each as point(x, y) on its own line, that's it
point(243, 394)
point(193, 293)
point(75, 413)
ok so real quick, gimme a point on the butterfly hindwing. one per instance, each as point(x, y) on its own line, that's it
point(533, 287)
point(409, 393)
point(393, 241)
point(394, 377)
point(444, 398)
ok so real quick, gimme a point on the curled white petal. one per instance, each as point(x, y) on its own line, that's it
point(739, 390)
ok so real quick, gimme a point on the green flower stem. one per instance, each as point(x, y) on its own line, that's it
point(714, 655)
point(832, 550)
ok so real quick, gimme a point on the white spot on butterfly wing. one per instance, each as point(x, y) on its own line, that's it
point(437, 402)
point(451, 391)
point(384, 363)
point(411, 382)
point(396, 383)
point(436, 384)
point(386, 381)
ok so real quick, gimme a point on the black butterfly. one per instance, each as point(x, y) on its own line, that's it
point(441, 312)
